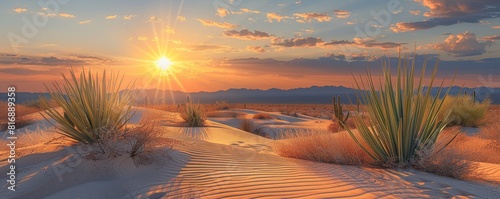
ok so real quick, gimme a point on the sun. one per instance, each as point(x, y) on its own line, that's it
point(163, 63)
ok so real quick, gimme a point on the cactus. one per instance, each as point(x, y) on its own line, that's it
point(338, 113)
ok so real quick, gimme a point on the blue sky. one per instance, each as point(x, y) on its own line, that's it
point(206, 40)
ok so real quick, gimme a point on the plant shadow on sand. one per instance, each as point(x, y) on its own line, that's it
point(382, 183)
point(68, 163)
point(200, 133)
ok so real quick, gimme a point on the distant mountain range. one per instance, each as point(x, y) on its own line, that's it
point(310, 95)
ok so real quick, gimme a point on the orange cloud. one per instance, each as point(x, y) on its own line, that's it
point(246, 34)
point(309, 16)
point(111, 17)
point(246, 10)
point(256, 49)
point(66, 15)
point(85, 22)
point(462, 45)
point(342, 14)
point(129, 17)
point(226, 25)
point(415, 12)
point(222, 12)
point(20, 10)
point(274, 16)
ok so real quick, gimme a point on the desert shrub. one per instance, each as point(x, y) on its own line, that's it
point(24, 116)
point(193, 114)
point(325, 147)
point(232, 114)
point(448, 162)
point(249, 126)
point(222, 105)
point(464, 111)
point(89, 105)
point(262, 116)
point(402, 116)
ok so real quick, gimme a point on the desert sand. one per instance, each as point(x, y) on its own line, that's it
point(220, 161)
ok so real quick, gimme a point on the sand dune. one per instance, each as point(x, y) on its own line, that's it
point(221, 161)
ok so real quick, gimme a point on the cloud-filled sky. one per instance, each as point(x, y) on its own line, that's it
point(222, 44)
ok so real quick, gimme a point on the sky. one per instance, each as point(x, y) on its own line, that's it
point(221, 44)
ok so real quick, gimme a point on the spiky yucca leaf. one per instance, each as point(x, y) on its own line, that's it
point(89, 105)
point(403, 117)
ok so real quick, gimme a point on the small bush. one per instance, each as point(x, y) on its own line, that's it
point(448, 162)
point(464, 111)
point(193, 114)
point(222, 105)
point(23, 117)
point(325, 147)
point(262, 116)
point(89, 105)
point(226, 114)
point(249, 126)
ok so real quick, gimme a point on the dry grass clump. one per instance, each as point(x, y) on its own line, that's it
point(225, 114)
point(222, 105)
point(249, 126)
point(193, 114)
point(464, 111)
point(262, 116)
point(321, 147)
point(448, 162)
point(143, 143)
point(23, 115)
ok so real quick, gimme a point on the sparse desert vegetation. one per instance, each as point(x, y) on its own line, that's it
point(464, 111)
point(262, 116)
point(193, 114)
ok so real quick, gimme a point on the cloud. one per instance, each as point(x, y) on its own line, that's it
point(222, 12)
point(450, 12)
point(335, 56)
point(297, 42)
point(462, 45)
point(246, 10)
point(225, 25)
point(85, 22)
point(111, 17)
point(207, 48)
point(66, 15)
point(308, 31)
point(153, 19)
point(364, 43)
point(495, 27)
point(129, 17)
point(142, 38)
point(169, 30)
point(309, 16)
point(20, 10)
point(415, 12)
point(274, 16)
point(491, 37)
point(181, 18)
point(246, 34)
point(256, 49)
point(342, 14)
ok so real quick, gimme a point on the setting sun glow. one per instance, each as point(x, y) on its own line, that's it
point(163, 63)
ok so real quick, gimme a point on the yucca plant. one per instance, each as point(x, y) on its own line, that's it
point(89, 105)
point(193, 114)
point(403, 117)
